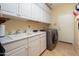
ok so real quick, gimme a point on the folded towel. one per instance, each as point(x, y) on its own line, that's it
point(2, 50)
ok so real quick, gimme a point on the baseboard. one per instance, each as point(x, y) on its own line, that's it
point(65, 42)
point(42, 52)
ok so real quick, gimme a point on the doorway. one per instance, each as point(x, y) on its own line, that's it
point(66, 27)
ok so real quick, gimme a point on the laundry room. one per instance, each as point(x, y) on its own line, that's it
point(39, 29)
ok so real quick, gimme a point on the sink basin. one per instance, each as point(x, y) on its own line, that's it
point(19, 36)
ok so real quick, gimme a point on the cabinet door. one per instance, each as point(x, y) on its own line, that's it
point(20, 51)
point(2, 6)
point(47, 17)
point(44, 16)
point(43, 43)
point(36, 12)
point(34, 48)
point(25, 10)
point(10, 7)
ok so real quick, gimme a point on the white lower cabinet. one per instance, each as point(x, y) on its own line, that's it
point(32, 46)
point(21, 51)
point(17, 48)
point(38, 45)
point(43, 44)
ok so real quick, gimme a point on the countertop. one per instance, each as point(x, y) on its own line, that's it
point(12, 38)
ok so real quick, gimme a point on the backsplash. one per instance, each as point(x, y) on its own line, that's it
point(14, 24)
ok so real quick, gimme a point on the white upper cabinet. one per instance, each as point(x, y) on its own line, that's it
point(10, 7)
point(44, 16)
point(36, 12)
point(2, 6)
point(25, 10)
point(48, 17)
point(40, 14)
point(45, 13)
point(31, 11)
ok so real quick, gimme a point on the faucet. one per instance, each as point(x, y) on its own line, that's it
point(17, 31)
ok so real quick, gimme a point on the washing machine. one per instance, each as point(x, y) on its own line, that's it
point(52, 38)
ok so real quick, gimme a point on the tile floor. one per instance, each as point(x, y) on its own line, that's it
point(62, 49)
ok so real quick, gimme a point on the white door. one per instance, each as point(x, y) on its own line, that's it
point(66, 27)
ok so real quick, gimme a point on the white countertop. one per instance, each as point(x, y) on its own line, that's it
point(12, 38)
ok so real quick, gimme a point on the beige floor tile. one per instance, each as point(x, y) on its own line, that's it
point(62, 49)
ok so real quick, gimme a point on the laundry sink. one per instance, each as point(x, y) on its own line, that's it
point(19, 36)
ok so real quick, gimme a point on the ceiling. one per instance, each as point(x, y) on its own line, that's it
point(51, 5)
